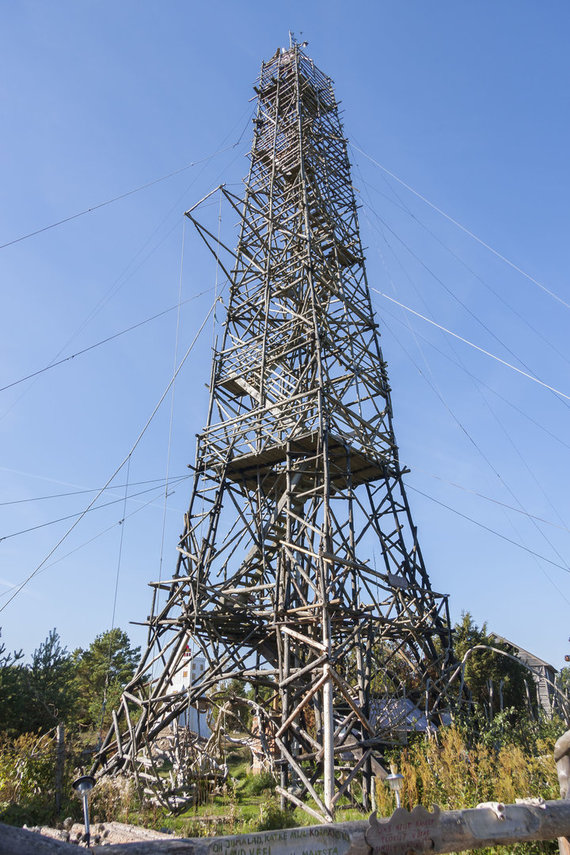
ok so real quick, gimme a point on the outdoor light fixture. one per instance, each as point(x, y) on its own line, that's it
point(83, 787)
point(395, 782)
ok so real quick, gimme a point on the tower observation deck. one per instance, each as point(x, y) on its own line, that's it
point(299, 571)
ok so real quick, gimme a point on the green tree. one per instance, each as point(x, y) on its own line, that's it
point(13, 687)
point(101, 673)
point(495, 681)
point(50, 686)
point(36, 697)
point(563, 681)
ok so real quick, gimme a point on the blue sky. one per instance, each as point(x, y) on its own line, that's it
point(466, 103)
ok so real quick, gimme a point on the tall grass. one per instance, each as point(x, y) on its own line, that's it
point(448, 771)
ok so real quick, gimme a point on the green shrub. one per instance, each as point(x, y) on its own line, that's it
point(257, 784)
point(27, 767)
point(272, 816)
point(27, 779)
point(113, 799)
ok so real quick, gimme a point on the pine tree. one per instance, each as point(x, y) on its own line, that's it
point(101, 672)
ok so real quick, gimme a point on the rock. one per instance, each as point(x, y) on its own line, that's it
point(54, 833)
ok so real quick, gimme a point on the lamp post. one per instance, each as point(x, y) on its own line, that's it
point(395, 782)
point(83, 787)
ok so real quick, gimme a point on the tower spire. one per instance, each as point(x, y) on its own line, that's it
point(298, 486)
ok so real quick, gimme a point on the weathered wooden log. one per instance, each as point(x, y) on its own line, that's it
point(20, 841)
point(115, 832)
point(454, 831)
point(476, 828)
point(346, 838)
point(419, 831)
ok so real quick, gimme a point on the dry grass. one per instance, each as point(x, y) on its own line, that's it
point(445, 771)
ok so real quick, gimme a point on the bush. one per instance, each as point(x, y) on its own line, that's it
point(27, 779)
point(113, 799)
point(449, 772)
point(257, 784)
point(27, 767)
point(272, 816)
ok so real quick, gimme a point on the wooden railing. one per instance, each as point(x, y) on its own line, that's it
point(418, 832)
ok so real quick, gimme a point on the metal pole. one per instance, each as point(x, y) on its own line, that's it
point(59, 768)
point(83, 786)
point(85, 798)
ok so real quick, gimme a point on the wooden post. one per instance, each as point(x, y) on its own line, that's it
point(328, 744)
point(562, 759)
point(59, 767)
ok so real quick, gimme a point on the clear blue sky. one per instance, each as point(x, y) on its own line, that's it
point(466, 103)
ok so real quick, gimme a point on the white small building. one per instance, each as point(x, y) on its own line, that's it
point(188, 673)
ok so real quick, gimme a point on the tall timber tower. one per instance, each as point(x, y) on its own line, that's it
point(299, 570)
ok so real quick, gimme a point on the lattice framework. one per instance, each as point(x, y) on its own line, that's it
point(297, 485)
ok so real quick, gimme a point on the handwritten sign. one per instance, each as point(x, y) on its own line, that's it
point(317, 840)
point(403, 832)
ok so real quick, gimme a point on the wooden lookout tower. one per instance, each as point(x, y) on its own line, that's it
point(299, 571)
